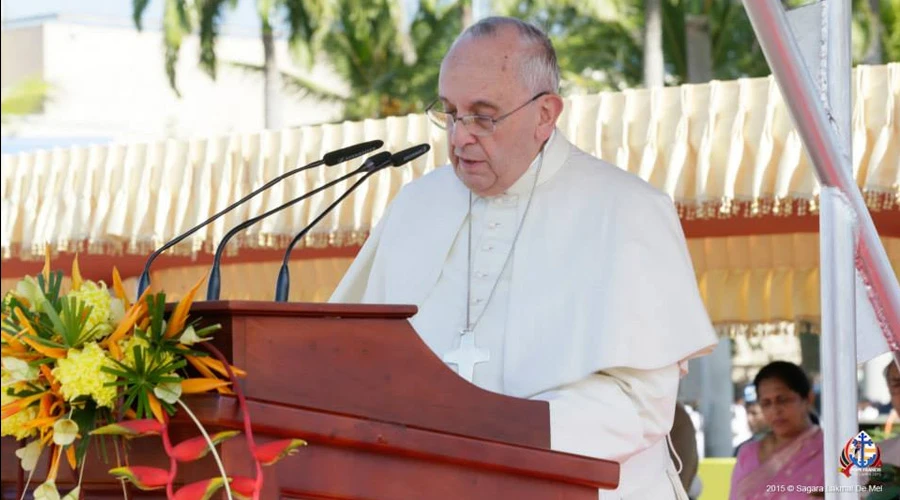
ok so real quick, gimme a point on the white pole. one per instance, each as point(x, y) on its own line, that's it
point(837, 237)
point(837, 242)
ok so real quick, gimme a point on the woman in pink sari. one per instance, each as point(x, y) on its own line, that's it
point(786, 464)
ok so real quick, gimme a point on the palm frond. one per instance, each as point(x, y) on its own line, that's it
point(137, 12)
point(211, 12)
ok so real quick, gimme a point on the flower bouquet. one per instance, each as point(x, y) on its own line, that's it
point(87, 365)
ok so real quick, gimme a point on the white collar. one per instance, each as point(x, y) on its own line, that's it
point(552, 162)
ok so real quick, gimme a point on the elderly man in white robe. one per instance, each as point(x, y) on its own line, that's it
point(540, 271)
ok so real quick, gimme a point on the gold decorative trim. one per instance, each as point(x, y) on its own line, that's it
point(728, 208)
point(790, 327)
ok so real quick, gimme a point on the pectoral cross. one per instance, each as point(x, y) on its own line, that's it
point(467, 355)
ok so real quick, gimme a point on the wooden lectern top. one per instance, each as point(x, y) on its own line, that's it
point(364, 360)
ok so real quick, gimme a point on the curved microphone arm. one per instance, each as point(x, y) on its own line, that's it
point(214, 284)
point(144, 281)
point(283, 286)
point(332, 158)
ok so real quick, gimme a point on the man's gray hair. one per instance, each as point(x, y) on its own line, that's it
point(539, 68)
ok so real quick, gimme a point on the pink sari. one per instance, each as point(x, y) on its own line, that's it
point(790, 473)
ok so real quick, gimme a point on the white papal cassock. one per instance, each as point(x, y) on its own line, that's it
point(593, 313)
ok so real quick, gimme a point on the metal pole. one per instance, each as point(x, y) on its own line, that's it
point(837, 238)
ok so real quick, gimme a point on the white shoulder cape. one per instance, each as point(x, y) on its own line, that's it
point(601, 275)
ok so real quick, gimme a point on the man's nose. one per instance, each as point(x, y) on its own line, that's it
point(460, 135)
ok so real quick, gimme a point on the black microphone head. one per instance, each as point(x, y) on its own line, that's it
point(351, 152)
point(409, 154)
point(376, 161)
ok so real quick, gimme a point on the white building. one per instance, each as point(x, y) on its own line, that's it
point(109, 83)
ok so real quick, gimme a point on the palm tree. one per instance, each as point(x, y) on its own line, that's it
point(304, 19)
point(598, 44)
point(706, 39)
point(388, 71)
point(710, 39)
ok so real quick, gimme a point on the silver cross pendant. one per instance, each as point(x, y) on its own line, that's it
point(467, 355)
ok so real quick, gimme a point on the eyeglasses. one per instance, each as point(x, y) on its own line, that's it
point(479, 125)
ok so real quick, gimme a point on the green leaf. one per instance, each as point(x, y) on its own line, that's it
point(45, 341)
point(156, 305)
point(51, 313)
point(86, 418)
point(137, 12)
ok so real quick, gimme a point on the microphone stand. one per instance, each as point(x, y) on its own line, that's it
point(214, 282)
point(331, 158)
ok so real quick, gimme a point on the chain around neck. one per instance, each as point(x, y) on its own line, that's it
point(470, 325)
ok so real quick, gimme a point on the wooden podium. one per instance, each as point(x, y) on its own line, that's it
point(384, 417)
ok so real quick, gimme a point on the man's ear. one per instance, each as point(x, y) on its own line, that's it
point(551, 107)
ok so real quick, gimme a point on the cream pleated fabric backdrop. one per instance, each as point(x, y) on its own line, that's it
point(723, 149)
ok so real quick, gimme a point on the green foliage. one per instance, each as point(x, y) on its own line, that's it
point(24, 98)
point(65, 317)
point(385, 76)
point(600, 44)
point(595, 53)
point(210, 17)
point(71, 321)
point(735, 50)
point(889, 17)
point(391, 71)
point(151, 368)
point(878, 434)
point(889, 479)
point(86, 416)
point(183, 17)
point(306, 20)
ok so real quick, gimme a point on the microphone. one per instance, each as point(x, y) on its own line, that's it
point(283, 285)
point(331, 158)
point(214, 283)
point(409, 154)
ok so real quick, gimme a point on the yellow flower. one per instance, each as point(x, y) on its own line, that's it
point(129, 345)
point(79, 374)
point(12, 425)
point(99, 299)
